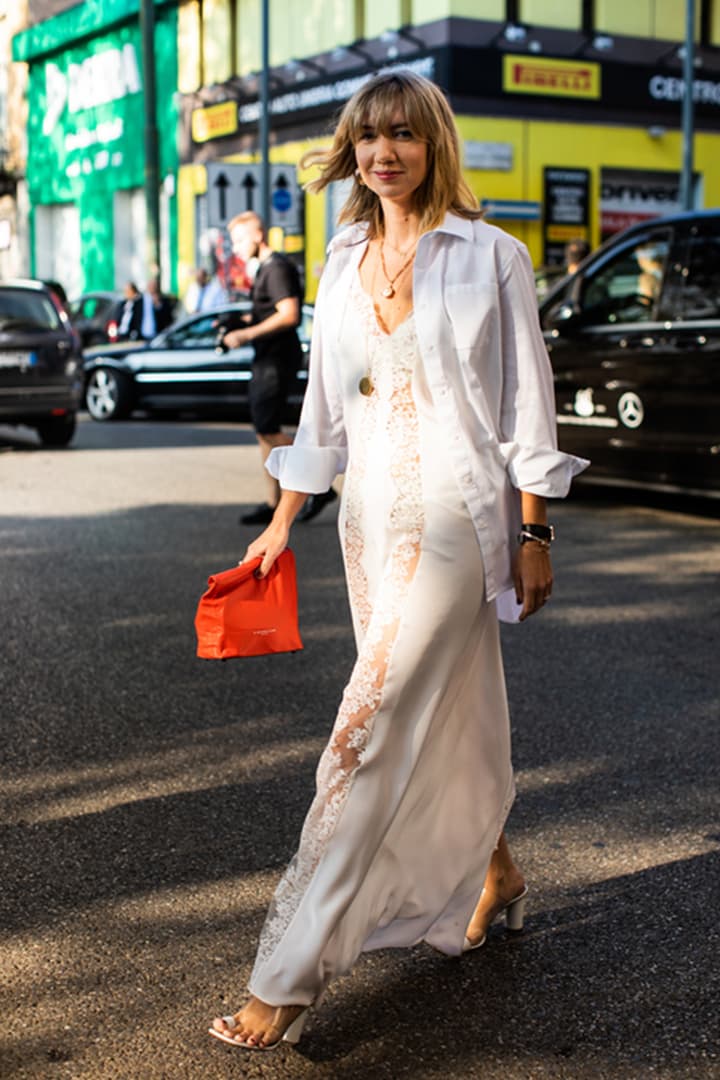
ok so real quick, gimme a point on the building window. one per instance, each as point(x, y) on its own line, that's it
point(217, 25)
point(189, 47)
point(565, 14)
point(663, 19)
point(713, 21)
point(296, 30)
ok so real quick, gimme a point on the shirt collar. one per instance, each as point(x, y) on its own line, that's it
point(355, 234)
point(456, 226)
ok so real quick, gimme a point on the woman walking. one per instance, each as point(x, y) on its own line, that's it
point(430, 387)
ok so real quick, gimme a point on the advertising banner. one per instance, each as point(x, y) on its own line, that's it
point(566, 203)
point(86, 118)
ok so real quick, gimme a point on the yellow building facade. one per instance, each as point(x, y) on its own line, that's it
point(569, 111)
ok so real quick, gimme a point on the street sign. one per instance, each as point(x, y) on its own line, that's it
point(233, 188)
point(511, 209)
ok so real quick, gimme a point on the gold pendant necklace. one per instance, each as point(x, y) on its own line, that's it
point(365, 383)
point(389, 291)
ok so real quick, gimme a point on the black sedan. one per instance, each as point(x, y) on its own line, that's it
point(182, 369)
point(634, 340)
point(40, 363)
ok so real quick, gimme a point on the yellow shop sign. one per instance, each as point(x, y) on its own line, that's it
point(562, 78)
point(215, 121)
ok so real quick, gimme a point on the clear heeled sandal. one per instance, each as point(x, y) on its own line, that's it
point(514, 920)
point(291, 1034)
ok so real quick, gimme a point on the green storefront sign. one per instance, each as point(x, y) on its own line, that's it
point(86, 120)
point(85, 116)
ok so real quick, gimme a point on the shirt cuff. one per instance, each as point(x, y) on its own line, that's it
point(310, 469)
point(541, 470)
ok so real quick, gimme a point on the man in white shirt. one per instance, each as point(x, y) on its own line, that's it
point(204, 293)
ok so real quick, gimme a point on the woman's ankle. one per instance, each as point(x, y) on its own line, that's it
point(506, 884)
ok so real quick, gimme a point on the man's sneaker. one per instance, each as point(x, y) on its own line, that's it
point(261, 515)
point(315, 503)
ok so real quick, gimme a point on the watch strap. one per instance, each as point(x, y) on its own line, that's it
point(539, 532)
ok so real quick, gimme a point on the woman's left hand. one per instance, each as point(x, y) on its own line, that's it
point(532, 577)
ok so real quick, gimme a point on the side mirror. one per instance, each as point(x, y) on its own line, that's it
point(562, 317)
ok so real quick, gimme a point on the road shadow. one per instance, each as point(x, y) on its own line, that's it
point(152, 799)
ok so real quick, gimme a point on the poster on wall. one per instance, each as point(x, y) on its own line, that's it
point(566, 205)
point(631, 196)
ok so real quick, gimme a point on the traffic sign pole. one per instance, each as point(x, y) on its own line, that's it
point(264, 131)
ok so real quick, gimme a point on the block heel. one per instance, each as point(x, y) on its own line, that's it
point(515, 912)
point(514, 920)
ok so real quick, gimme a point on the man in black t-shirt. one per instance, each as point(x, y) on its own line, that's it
point(272, 328)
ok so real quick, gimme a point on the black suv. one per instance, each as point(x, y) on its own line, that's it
point(634, 340)
point(40, 362)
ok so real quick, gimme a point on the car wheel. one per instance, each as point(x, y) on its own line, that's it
point(57, 430)
point(108, 395)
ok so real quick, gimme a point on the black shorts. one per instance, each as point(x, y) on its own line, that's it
point(268, 394)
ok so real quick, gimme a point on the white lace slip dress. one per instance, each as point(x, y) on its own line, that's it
point(416, 781)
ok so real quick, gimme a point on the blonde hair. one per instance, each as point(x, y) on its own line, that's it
point(248, 217)
point(430, 119)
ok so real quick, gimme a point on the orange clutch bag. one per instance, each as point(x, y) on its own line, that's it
point(241, 615)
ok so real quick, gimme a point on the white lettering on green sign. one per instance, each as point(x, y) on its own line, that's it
point(97, 80)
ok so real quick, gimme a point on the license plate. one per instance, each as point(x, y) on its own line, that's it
point(17, 359)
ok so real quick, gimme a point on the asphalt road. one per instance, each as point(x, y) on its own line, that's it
point(150, 799)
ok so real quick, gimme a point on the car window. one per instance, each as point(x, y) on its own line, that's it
point(699, 296)
point(88, 307)
point(200, 332)
point(21, 309)
point(627, 287)
point(306, 324)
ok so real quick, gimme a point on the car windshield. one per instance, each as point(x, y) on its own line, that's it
point(23, 309)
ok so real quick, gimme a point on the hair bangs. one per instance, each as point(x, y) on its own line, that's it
point(379, 106)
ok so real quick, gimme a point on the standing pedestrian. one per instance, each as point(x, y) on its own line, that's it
point(575, 251)
point(431, 387)
point(276, 298)
point(204, 293)
point(157, 310)
point(130, 315)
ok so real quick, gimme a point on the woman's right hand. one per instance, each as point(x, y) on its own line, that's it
point(274, 540)
point(269, 544)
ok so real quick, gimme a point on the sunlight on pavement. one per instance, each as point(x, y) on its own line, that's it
point(139, 477)
point(219, 758)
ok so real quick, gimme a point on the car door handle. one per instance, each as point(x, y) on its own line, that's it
point(682, 341)
point(637, 341)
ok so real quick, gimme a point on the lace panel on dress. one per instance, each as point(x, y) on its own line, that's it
point(391, 415)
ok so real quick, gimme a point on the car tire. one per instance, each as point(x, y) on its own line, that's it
point(108, 395)
point(57, 431)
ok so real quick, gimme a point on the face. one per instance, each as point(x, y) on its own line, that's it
point(392, 165)
point(246, 239)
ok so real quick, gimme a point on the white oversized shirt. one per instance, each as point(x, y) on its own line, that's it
point(487, 368)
